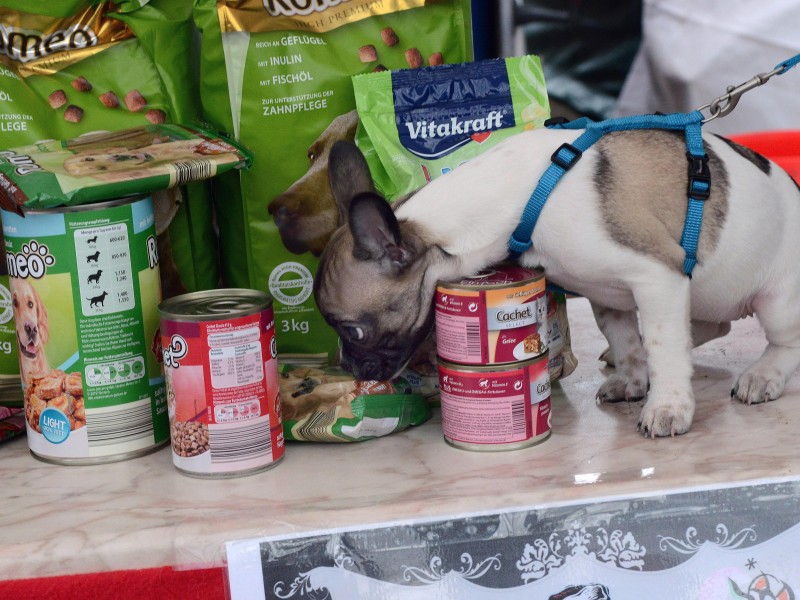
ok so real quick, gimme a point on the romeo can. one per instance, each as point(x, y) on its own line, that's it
point(85, 288)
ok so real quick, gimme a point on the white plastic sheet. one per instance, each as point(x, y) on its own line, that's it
point(691, 51)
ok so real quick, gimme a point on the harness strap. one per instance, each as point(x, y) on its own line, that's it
point(565, 157)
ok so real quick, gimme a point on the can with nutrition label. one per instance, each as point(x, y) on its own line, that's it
point(490, 408)
point(85, 287)
point(496, 317)
point(220, 363)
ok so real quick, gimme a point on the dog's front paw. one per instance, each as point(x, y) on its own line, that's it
point(759, 385)
point(660, 418)
point(618, 388)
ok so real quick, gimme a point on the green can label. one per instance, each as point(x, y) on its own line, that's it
point(9, 359)
point(85, 290)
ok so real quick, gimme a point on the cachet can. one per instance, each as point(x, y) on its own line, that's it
point(85, 288)
point(491, 408)
point(496, 317)
point(221, 368)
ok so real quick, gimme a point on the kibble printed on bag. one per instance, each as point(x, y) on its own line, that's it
point(277, 76)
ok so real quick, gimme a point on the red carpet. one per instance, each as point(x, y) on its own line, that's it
point(149, 584)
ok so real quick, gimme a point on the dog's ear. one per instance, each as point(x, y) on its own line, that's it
point(349, 175)
point(376, 232)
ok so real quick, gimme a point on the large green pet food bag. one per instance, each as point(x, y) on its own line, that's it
point(276, 74)
point(70, 67)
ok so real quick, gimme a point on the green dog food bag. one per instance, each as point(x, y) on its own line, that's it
point(276, 74)
point(72, 67)
point(418, 124)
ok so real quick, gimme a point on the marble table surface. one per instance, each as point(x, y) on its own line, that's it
point(142, 513)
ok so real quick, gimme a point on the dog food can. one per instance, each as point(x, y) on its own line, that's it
point(10, 391)
point(489, 408)
point(85, 290)
point(497, 317)
point(221, 367)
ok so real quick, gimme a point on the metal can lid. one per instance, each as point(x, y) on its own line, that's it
point(92, 206)
point(497, 277)
point(491, 368)
point(214, 304)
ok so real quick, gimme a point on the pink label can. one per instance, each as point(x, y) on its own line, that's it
point(496, 317)
point(495, 408)
point(221, 370)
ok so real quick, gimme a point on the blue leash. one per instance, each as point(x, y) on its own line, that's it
point(699, 186)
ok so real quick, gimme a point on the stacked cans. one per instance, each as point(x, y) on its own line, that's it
point(493, 362)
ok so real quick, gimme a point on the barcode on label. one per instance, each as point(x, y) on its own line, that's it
point(518, 424)
point(473, 339)
point(120, 424)
point(192, 170)
point(232, 444)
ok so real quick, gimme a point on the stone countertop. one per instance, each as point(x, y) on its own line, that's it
point(142, 513)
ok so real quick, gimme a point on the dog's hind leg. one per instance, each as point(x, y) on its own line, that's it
point(662, 297)
point(621, 329)
point(702, 332)
point(779, 315)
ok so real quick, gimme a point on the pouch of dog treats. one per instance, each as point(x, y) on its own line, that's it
point(104, 166)
point(277, 75)
point(416, 125)
point(329, 405)
point(70, 67)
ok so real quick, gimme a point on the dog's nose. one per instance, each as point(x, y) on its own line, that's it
point(280, 214)
point(366, 368)
point(30, 329)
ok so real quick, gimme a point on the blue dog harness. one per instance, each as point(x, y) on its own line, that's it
point(565, 157)
point(699, 187)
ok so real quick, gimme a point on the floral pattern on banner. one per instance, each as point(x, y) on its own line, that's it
point(619, 548)
point(690, 544)
point(302, 586)
point(468, 570)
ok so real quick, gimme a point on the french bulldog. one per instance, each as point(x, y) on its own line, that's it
point(610, 231)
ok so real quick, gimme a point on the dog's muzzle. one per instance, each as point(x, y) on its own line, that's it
point(28, 349)
point(373, 365)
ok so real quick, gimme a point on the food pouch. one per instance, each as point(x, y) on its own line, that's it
point(330, 405)
point(104, 166)
point(417, 125)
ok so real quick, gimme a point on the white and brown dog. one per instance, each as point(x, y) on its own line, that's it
point(610, 231)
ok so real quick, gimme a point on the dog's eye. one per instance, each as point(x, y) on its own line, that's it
point(312, 156)
point(30, 304)
point(354, 333)
point(89, 159)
